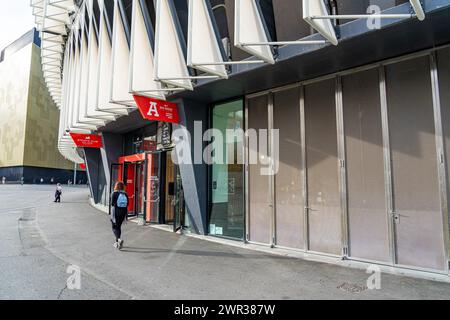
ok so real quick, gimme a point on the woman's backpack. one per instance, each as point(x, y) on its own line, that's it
point(122, 200)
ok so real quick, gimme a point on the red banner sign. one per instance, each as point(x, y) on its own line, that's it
point(87, 140)
point(158, 110)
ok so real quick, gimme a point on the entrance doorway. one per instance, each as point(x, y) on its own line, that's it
point(131, 171)
point(169, 190)
point(172, 212)
point(154, 187)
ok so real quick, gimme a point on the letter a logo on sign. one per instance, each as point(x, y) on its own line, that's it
point(153, 111)
point(157, 110)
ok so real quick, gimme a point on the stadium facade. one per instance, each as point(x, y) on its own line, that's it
point(354, 96)
point(29, 119)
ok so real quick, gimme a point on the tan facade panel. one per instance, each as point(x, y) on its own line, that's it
point(14, 79)
point(29, 117)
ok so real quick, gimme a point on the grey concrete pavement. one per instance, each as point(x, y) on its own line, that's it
point(40, 239)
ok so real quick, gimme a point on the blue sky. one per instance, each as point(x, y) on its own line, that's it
point(15, 19)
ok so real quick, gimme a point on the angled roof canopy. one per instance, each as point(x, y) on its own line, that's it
point(170, 63)
point(84, 75)
point(120, 62)
point(92, 67)
point(52, 19)
point(316, 14)
point(103, 85)
point(316, 8)
point(249, 29)
point(142, 68)
point(204, 52)
point(251, 33)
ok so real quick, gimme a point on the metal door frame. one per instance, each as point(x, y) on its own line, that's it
point(388, 169)
point(440, 153)
point(136, 202)
point(342, 167)
point(111, 184)
point(179, 222)
point(147, 176)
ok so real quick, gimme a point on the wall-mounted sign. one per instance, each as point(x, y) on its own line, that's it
point(158, 110)
point(82, 166)
point(164, 136)
point(87, 140)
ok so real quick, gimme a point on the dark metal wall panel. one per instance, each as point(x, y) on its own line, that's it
point(92, 157)
point(289, 204)
point(259, 193)
point(325, 228)
point(443, 59)
point(419, 224)
point(368, 219)
point(194, 175)
point(288, 22)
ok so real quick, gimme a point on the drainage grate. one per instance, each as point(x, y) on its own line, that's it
point(352, 288)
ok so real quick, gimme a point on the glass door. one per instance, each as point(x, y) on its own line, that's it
point(153, 190)
point(179, 202)
point(227, 198)
point(140, 184)
point(116, 176)
point(169, 190)
point(130, 186)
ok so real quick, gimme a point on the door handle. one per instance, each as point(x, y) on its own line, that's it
point(396, 216)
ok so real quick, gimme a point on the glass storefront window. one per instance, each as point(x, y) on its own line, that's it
point(227, 210)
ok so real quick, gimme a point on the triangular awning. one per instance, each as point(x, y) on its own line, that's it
point(120, 62)
point(170, 63)
point(142, 67)
point(204, 52)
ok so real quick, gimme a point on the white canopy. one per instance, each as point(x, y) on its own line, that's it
point(142, 68)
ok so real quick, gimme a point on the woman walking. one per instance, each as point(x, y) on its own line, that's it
point(58, 193)
point(119, 212)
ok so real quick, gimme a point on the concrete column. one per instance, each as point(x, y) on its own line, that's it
point(92, 157)
point(195, 176)
point(110, 153)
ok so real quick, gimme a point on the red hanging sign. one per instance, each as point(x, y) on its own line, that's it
point(82, 166)
point(158, 110)
point(87, 140)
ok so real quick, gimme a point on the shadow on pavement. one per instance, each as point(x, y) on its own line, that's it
point(200, 253)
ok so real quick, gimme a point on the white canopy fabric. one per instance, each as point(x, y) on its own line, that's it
point(52, 20)
point(103, 85)
point(316, 14)
point(204, 52)
point(170, 64)
point(120, 63)
point(142, 68)
point(324, 27)
point(250, 29)
point(84, 75)
point(92, 71)
point(92, 67)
